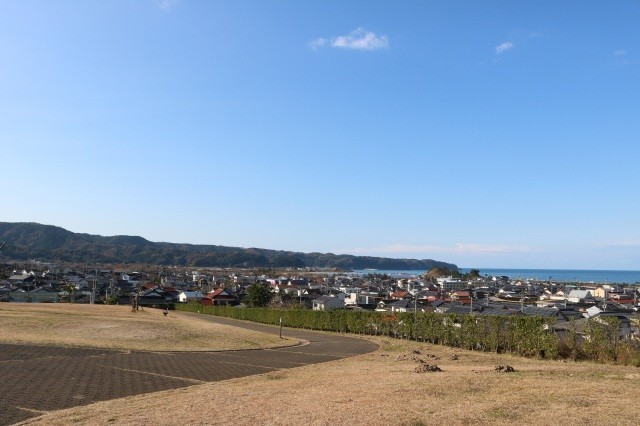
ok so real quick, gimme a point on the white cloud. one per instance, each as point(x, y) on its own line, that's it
point(165, 5)
point(503, 47)
point(460, 248)
point(361, 39)
point(358, 39)
point(319, 42)
point(620, 53)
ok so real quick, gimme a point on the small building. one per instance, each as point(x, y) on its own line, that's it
point(21, 279)
point(544, 312)
point(461, 296)
point(156, 298)
point(220, 297)
point(407, 305)
point(580, 296)
point(327, 303)
point(400, 294)
point(190, 296)
point(451, 284)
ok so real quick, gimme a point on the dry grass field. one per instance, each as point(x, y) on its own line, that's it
point(117, 327)
point(384, 388)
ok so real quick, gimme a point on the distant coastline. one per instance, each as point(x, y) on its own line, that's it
point(557, 275)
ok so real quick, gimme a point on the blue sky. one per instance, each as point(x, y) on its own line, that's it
point(488, 134)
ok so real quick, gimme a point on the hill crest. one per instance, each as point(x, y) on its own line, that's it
point(28, 240)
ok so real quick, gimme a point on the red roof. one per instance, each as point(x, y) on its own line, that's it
point(399, 294)
point(217, 294)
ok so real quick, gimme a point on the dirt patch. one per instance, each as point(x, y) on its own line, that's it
point(504, 369)
point(427, 368)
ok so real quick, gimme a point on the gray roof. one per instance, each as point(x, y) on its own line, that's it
point(18, 277)
point(193, 294)
point(405, 303)
point(538, 311)
point(580, 294)
point(458, 309)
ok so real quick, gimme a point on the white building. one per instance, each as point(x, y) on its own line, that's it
point(451, 284)
point(327, 303)
point(190, 296)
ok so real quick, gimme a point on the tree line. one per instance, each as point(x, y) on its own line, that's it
point(526, 336)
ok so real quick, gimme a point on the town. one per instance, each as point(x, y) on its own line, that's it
point(570, 305)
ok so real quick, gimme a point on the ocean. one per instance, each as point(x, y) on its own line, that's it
point(557, 275)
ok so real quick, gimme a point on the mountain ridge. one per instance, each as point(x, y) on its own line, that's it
point(30, 240)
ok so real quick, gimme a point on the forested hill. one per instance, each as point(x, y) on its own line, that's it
point(45, 242)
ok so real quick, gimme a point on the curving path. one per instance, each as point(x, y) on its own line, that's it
point(37, 379)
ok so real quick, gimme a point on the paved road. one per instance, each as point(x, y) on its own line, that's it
point(36, 379)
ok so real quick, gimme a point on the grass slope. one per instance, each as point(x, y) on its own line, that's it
point(117, 327)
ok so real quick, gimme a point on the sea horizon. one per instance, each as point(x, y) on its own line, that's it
point(603, 276)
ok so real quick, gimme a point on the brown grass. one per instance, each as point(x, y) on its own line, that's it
point(117, 327)
point(383, 388)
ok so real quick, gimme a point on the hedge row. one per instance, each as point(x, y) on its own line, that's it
point(520, 335)
point(527, 336)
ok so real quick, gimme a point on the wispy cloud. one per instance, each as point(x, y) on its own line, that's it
point(629, 244)
point(460, 248)
point(319, 42)
point(539, 33)
point(358, 39)
point(503, 47)
point(620, 52)
point(165, 5)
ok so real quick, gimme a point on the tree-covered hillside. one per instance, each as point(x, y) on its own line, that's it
point(46, 242)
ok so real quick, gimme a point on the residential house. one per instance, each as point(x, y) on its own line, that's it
point(220, 297)
point(408, 305)
point(461, 296)
point(190, 296)
point(327, 303)
point(602, 292)
point(21, 279)
point(580, 296)
point(156, 298)
point(400, 294)
point(544, 312)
